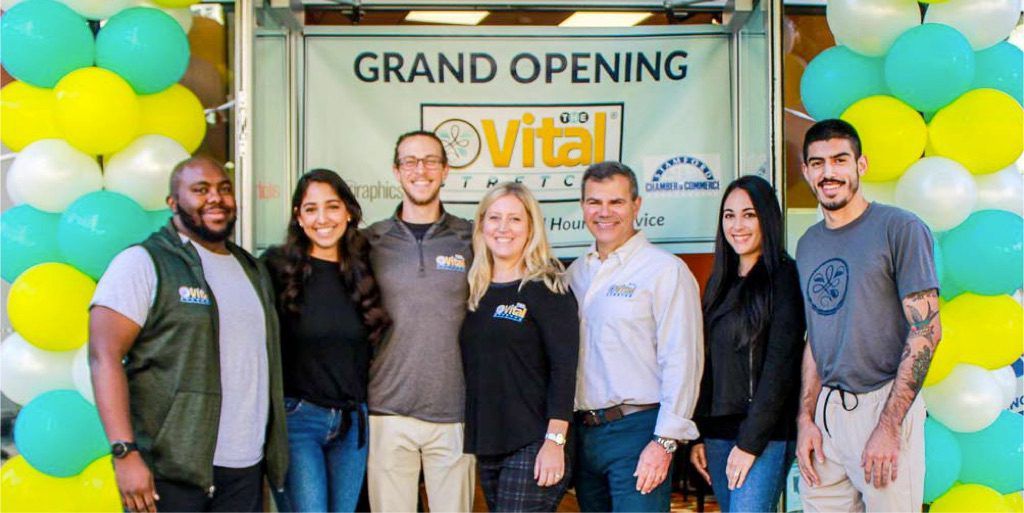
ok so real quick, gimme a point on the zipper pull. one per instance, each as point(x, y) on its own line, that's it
point(210, 492)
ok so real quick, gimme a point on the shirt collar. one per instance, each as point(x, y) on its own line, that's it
point(623, 252)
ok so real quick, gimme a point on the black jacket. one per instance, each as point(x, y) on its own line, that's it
point(751, 391)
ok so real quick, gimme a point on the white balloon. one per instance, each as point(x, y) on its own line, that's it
point(7, 4)
point(27, 371)
point(50, 174)
point(181, 15)
point(141, 170)
point(939, 190)
point(882, 192)
point(1007, 381)
point(1002, 190)
point(983, 22)
point(870, 27)
point(968, 400)
point(80, 374)
point(97, 9)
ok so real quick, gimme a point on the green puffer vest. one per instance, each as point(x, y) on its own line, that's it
point(173, 368)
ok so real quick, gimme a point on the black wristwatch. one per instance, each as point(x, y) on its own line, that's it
point(120, 449)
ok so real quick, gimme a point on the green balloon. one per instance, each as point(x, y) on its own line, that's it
point(60, 433)
point(27, 237)
point(985, 253)
point(158, 218)
point(838, 78)
point(994, 456)
point(929, 66)
point(43, 40)
point(145, 46)
point(96, 227)
point(1000, 67)
point(941, 459)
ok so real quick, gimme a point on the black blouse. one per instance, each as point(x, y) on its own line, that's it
point(750, 392)
point(519, 355)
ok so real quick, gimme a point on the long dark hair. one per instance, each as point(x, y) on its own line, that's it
point(353, 261)
point(756, 292)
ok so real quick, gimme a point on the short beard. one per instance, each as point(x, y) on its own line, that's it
point(422, 203)
point(839, 204)
point(201, 230)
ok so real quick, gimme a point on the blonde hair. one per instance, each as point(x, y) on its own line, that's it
point(537, 260)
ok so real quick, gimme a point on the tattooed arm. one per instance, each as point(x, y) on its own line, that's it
point(882, 450)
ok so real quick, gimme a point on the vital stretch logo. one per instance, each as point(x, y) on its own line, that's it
point(546, 147)
point(625, 290)
point(516, 312)
point(193, 295)
point(683, 175)
point(454, 262)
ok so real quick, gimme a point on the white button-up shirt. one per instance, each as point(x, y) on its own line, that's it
point(641, 334)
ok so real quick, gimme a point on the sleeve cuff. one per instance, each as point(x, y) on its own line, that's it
point(675, 427)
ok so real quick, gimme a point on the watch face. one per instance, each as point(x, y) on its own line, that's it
point(118, 450)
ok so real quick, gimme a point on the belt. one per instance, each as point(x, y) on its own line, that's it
point(591, 418)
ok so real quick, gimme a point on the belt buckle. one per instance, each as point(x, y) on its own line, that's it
point(594, 416)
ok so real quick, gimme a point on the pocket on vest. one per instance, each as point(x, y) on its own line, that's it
point(183, 448)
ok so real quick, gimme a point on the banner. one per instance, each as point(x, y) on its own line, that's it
point(535, 106)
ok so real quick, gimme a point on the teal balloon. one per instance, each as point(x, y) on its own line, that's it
point(43, 40)
point(929, 66)
point(937, 257)
point(145, 46)
point(984, 254)
point(158, 218)
point(1000, 67)
point(994, 456)
point(942, 459)
point(837, 78)
point(59, 433)
point(27, 237)
point(96, 227)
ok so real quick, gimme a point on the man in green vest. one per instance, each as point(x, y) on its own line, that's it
point(183, 347)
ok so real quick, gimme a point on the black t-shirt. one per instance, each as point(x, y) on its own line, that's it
point(419, 230)
point(519, 354)
point(325, 352)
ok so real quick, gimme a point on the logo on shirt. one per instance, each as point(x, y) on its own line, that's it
point(625, 290)
point(193, 295)
point(516, 312)
point(826, 289)
point(454, 262)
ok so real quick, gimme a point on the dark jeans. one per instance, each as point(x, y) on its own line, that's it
point(606, 460)
point(235, 489)
point(765, 480)
point(508, 483)
point(327, 465)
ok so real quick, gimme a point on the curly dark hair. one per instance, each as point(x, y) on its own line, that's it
point(293, 260)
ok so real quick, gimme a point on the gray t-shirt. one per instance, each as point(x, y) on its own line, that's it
point(854, 279)
point(129, 287)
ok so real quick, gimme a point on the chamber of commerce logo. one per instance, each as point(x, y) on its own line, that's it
point(826, 288)
point(193, 295)
point(454, 262)
point(546, 147)
point(516, 312)
point(682, 175)
point(624, 290)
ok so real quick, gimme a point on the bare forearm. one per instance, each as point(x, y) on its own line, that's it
point(110, 387)
point(558, 426)
point(810, 386)
point(922, 311)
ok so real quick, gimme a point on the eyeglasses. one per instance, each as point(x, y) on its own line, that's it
point(410, 163)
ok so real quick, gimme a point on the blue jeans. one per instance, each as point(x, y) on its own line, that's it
point(607, 458)
point(765, 480)
point(327, 467)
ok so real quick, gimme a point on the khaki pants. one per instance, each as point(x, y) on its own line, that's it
point(398, 445)
point(842, 485)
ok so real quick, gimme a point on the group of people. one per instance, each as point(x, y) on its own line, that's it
point(463, 350)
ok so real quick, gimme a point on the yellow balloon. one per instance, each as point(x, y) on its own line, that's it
point(892, 134)
point(174, 3)
point(23, 488)
point(987, 331)
point(983, 129)
point(27, 114)
point(97, 111)
point(1016, 501)
point(946, 355)
point(176, 113)
point(970, 497)
point(49, 306)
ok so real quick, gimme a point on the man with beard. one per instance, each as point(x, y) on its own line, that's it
point(185, 359)
point(417, 395)
point(871, 298)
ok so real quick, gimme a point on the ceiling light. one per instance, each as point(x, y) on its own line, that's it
point(447, 17)
point(604, 19)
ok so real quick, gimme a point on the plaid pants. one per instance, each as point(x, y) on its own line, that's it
point(508, 483)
